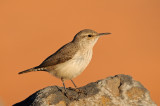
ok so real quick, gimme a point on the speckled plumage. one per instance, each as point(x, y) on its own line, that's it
point(62, 55)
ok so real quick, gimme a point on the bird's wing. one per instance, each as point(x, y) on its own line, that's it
point(63, 54)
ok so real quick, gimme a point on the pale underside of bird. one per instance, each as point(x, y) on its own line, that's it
point(71, 59)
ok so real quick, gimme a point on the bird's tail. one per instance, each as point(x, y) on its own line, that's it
point(32, 69)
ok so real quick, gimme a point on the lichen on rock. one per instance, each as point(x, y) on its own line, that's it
point(119, 90)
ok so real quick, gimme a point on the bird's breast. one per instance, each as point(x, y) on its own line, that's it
point(73, 67)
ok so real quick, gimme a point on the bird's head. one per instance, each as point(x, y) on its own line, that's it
point(87, 37)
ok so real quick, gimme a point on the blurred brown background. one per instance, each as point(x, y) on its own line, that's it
point(32, 30)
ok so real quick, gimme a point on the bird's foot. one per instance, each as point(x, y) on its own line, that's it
point(79, 91)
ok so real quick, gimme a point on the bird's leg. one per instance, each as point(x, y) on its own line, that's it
point(74, 84)
point(65, 91)
point(63, 84)
point(77, 90)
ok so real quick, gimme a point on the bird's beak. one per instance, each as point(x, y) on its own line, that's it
point(100, 34)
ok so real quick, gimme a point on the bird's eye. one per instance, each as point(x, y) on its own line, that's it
point(89, 35)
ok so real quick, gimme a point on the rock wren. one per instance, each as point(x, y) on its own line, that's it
point(71, 59)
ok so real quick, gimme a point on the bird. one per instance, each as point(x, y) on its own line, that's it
point(71, 59)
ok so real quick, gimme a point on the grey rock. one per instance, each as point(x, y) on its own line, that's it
point(119, 90)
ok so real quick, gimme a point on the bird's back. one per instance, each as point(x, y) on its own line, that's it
point(62, 55)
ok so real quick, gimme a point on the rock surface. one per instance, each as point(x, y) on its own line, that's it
point(119, 90)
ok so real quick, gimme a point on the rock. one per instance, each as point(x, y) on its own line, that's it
point(120, 90)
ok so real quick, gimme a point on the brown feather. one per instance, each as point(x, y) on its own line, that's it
point(64, 54)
